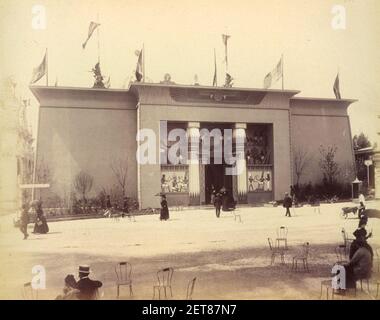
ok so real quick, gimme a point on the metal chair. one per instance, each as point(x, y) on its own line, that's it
point(377, 290)
point(164, 278)
point(341, 254)
point(236, 216)
point(28, 293)
point(346, 240)
point(190, 289)
point(303, 256)
point(275, 251)
point(327, 285)
point(282, 236)
point(123, 272)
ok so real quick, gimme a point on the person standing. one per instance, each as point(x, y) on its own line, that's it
point(218, 204)
point(361, 204)
point(164, 215)
point(40, 225)
point(287, 204)
point(125, 208)
point(24, 220)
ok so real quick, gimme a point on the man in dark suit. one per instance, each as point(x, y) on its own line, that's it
point(87, 288)
point(217, 204)
point(287, 204)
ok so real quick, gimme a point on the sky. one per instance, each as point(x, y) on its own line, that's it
point(180, 36)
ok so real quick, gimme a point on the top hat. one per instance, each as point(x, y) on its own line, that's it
point(85, 269)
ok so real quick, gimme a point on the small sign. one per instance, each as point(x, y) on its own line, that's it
point(35, 185)
point(368, 163)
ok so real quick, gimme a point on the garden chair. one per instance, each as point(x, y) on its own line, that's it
point(346, 240)
point(303, 256)
point(236, 216)
point(341, 254)
point(28, 293)
point(190, 289)
point(275, 251)
point(164, 282)
point(123, 272)
point(377, 290)
point(326, 284)
point(282, 236)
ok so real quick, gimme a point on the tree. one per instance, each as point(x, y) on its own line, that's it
point(119, 168)
point(83, 184)
point(327, 163)
point(301, 161)
point(361, 141)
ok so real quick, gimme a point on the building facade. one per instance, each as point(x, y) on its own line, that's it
point(16, 149)
point(84, 129)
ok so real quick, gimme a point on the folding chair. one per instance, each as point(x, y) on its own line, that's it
point(164, 278)
point(190, 289)
point(275, 251)
point(302, 257)
point(28, 293)
point(123, 272)
point(282, 236)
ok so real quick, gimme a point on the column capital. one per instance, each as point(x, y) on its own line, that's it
point(240, 125)
point(192, 124)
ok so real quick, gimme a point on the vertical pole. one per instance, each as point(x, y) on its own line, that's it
point(143, 62)
point(98, 36)
point(368, 177)
point(47, 68)
point(282, 70)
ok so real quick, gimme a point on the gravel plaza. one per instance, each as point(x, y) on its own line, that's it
point(231, 259)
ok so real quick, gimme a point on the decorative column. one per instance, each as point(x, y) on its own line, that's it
point(193, 161)
point(241, 163)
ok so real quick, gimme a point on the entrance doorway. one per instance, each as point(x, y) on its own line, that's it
point(215, 177)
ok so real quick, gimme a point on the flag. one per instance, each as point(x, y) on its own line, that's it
point(91, 29)
point(225, 38)
point(336, 87)
point(274, 75)
point(268, 80)
point(139, 67)
point(229, 79)
point(108, 82)
point(40, 71)
point(215, 80)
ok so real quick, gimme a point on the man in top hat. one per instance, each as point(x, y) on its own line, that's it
point(88, 288)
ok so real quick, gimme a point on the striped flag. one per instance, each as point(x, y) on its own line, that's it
point(274, 75)
point(91, 29)
point(336, 87)
point(39, 71)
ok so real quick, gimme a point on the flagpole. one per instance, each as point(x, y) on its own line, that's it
point(215, 73)
point(47, 68)
point(98, 36)
point(282, 70)
point(143, 62)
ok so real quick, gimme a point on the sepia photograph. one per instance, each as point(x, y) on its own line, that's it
point(215, 151)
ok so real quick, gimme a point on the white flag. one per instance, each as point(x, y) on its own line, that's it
point(39, 71)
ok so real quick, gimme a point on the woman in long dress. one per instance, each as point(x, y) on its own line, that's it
point(40, 225)
point(164, 215)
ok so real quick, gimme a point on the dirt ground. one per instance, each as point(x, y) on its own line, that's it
point(231, 259)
